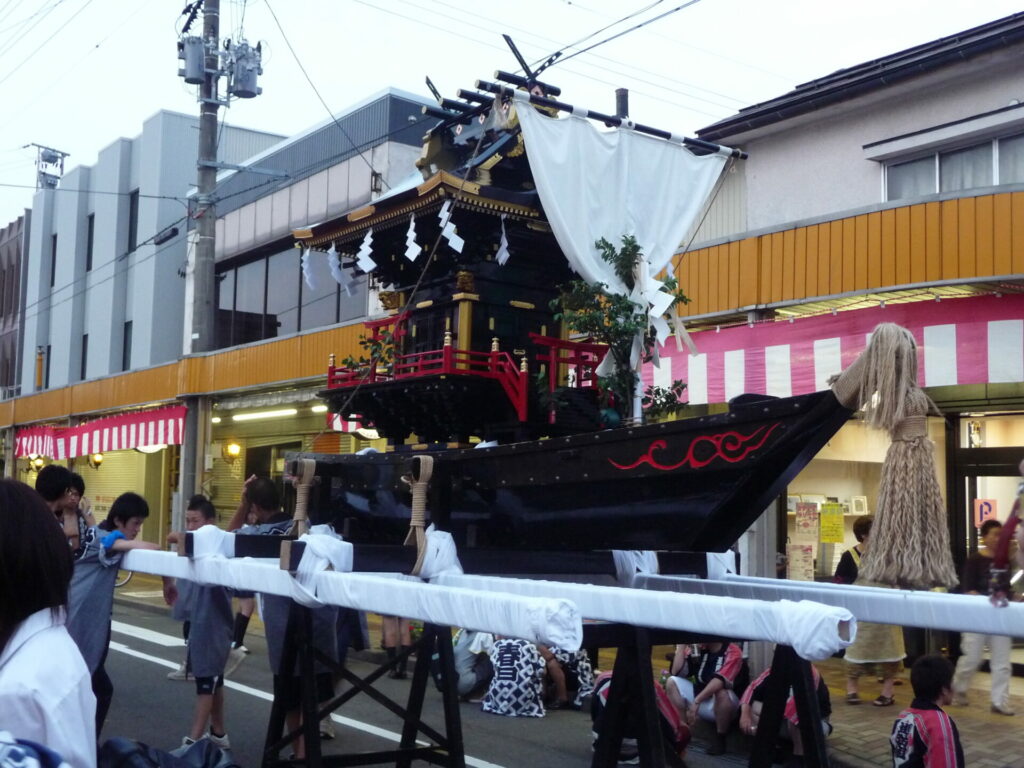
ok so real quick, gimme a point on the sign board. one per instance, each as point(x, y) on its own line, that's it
point(984, 509)
point(800, 562)
point(806, 523)
point(832, 527)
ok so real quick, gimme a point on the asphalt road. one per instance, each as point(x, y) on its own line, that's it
point(152, 709)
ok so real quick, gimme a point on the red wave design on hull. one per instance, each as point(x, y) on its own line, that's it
point(731, 446)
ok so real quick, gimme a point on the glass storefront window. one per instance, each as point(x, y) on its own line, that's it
point(225, 307)
point(283, 275)
point(320, 303)
point(250, 284)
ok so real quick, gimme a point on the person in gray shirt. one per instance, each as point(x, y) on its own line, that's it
point(207, 611)
point(91, 596)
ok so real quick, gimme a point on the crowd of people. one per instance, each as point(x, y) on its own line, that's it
point(55, 692)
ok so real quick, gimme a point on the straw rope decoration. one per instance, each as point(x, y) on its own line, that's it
point(303, 481)
point(910, 546)
point(418, 482)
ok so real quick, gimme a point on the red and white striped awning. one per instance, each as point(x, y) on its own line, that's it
point(162, 426)
point(338, 424)
point(977, 340)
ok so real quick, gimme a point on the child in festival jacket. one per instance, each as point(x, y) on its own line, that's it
point(924, 736)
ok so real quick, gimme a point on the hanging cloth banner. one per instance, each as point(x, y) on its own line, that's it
point(606, 184)
point(163, 426)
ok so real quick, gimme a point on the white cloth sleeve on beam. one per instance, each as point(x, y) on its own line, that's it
point(210, 540)
point(548, 620)
point(721, 563)
point(323, 549)
point(630, 562)
point(908, 608)
point(814, 631)
point(440, 556)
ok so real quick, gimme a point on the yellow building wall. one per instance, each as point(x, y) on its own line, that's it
point(294, 358)
point(962, 239)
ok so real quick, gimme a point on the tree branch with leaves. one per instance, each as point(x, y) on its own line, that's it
point(591, 309)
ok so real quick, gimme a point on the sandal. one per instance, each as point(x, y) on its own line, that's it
point(884, 701)
point(853, 698)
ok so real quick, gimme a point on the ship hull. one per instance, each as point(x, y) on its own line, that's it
point(693, 484)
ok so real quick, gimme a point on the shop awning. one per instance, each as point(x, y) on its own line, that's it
point(977, 340)
point(162, 426)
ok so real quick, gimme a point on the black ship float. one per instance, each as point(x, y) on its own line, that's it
point(479, 344)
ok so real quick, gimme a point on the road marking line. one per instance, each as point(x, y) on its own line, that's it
point(257, 693)
point(158, 638)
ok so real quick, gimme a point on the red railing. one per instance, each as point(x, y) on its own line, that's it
point(581, 359)
point(447, 361)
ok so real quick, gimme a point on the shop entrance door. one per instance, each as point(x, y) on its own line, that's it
point(984, 476)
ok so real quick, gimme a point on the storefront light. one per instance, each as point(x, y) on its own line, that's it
point(256, 415)
point(319, 409)
point(150, 448)
point(215, 420)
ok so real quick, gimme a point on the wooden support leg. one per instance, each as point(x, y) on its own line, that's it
point(805, 695)
point(417, 691)
point(307, 669)
point(650, 743)
point(276, 725)
point(776, 691)
point(449, 693)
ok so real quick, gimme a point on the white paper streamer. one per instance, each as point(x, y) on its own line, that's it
point(334, 265)
point(363, 259)
point(307, 270)
point(412, 250)
point(502, 255)
point(448, 228)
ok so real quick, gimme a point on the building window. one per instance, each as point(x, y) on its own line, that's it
point(126, 350)
point(133, 220)
point(990, 163)
point(85, 356)
point(1011, 160)
point(53, 260)
point(283, 277)
point(90, 235)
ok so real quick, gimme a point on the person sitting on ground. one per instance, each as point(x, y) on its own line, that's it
point(210, 627)
point(710, 694)
point(91, 597)
point(674, 730)
point(472, 662)
point(752, 702)
point(517, 688)
point(567, 673)
point(975, 581)
point(923, 735)
point(45, 690)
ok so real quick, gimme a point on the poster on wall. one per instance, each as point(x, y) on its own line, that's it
point(806, 530)
point(984, 509)
point(831, 524)
point(800, 562)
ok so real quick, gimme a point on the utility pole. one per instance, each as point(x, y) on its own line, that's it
point(203, 281)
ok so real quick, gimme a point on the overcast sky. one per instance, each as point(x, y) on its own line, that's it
point(77, 74)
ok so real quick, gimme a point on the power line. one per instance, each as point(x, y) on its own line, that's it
point(617, 35)
point(40, 47)
point(93, 191)
point(21, 32)
point(317, 92)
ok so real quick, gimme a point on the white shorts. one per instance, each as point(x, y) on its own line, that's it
point(706, 710)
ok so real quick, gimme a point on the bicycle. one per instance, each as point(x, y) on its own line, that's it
point(123, 577)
